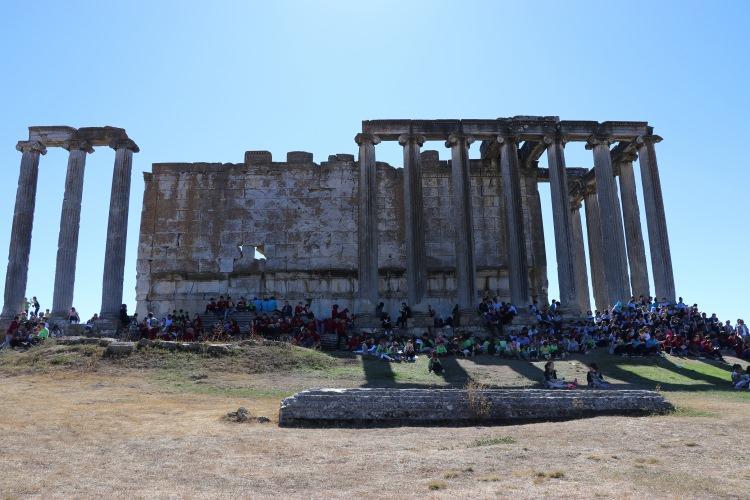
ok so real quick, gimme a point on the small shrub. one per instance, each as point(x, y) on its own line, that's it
point(691, 444)
point(491, 441)
point(437, 485)
point(479, 405)
point(558, 474)
point(451, 474)
point(489, 479)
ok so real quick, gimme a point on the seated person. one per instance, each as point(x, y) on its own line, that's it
point(595, 379)
point(550, 377)
point(435, 366)
point(73, 316)
point(740, 379)
point(410, 354)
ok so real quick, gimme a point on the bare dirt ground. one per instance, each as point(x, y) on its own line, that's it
point(111, 430)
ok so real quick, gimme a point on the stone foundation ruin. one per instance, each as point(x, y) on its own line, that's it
point(396, 407)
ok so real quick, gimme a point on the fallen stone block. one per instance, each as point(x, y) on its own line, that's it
point(396, 407)
point(218, 349)
point(119, 349)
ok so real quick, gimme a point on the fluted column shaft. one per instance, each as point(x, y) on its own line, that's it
point(631, 216)
point(23, 222)
point(517, 264)
point(368, 223)
point(579, 259)
point(564, 244)
point(596, 255)
point(462, 220)
point(658, 239)
point(117, 230)
point(416, 269)
point(613, 239)
point(70, 220)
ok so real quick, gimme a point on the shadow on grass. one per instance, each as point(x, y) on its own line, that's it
point(649, 372)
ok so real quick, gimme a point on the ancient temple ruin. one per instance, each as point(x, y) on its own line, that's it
point(356, 231)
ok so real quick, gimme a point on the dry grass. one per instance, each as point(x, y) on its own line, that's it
point(157, 430)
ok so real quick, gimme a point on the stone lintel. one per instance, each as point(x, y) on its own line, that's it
point(61, 135)
point(531, 128)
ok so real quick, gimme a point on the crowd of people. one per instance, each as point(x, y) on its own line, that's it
point(269, 318)
point(639, 327)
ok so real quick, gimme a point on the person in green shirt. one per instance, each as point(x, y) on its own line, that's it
point(43, 333)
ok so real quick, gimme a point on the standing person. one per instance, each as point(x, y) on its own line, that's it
point(35, 305)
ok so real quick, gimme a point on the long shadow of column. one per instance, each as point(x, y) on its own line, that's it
point(524, 368)
point(378, 373)
point(613, 367)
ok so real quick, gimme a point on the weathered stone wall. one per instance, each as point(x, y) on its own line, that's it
point(384, 407)
point(304, 215)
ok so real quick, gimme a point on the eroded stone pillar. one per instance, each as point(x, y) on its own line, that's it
point(517, 264)
point(368, 224)
point(631, 217)
point(564, 244)
point(579, 258)
point(658, 239)
point(70, 220)
point(117, 229)
point(416, 269)
point(23, 222)
point(596, 256)
point(462, 220)
point(613, 239)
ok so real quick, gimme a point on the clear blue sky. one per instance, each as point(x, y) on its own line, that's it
point(205, 81)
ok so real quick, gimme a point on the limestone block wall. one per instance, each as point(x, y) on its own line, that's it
point(304, 217)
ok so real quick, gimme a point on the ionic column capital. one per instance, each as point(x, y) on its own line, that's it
point(31, 146)
point(555, 137)
point(124, 144)
point(404, 139)
point(456, 137)
point(647, 139)
point(78, 144)
point(598, 140)
point(509, 138)
point(366, 138)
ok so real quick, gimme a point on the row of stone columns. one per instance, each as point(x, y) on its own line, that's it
point(617, 252)
point(416, 271)
point(70, 217)
point(615, 241)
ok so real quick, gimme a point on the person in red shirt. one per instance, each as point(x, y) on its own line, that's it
point(9, 333)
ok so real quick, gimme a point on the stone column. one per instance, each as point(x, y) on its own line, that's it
point(564, 245)
point(20, 235)
point(462, 220)
point(631, 216)
point(613, 239)
point(579, 260)
point(70, 220)
point(517, 265)
point(416, 269)
point(368, 224)
point(117, 230)
point(596, 256)
point(658, 239)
